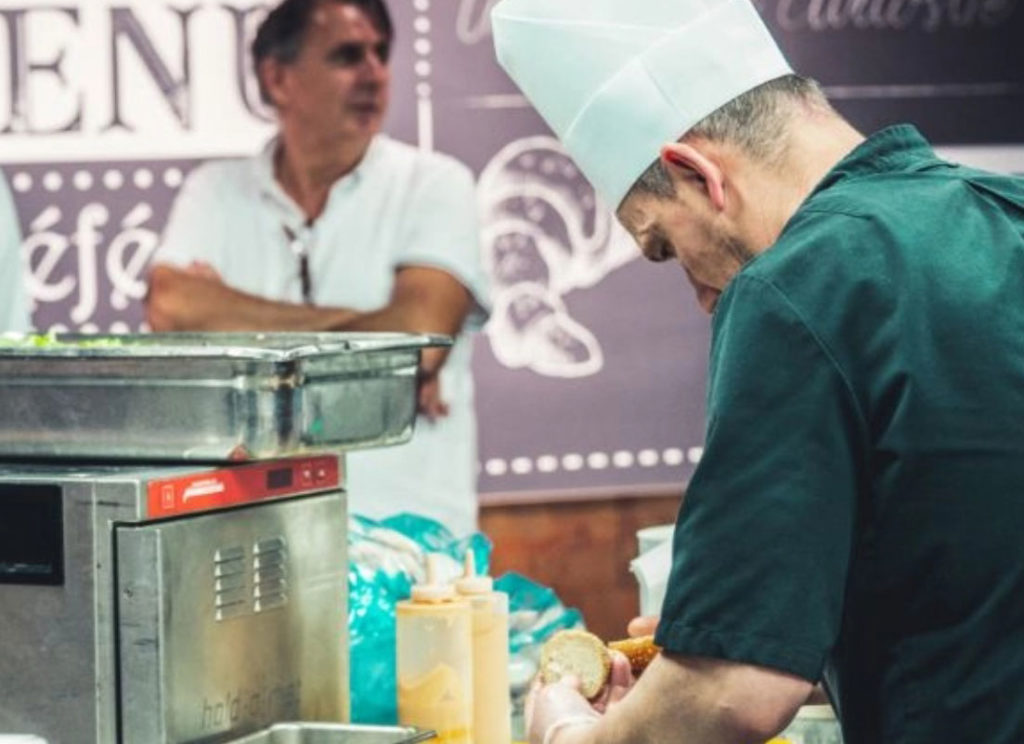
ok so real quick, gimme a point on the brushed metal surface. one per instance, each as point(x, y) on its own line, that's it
point(60, 645)
point(191, 672)
point(211, 397)
point(57, 643)
point(319, 733)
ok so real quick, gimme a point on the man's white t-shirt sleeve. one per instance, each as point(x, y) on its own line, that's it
point(193, 228)
point(14, 314)
point(444, 231)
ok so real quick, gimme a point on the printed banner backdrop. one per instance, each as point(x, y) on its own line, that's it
point(591, 373)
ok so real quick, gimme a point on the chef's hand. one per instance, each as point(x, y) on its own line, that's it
point(557, 708)
point(642, 626)
point(620, 681)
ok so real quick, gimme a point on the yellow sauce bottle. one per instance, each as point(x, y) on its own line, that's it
point(492, 714)
point(434, 660)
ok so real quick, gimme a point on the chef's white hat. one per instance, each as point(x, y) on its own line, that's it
point(616, 79)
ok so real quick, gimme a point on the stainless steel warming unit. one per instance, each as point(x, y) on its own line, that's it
point(173, 562)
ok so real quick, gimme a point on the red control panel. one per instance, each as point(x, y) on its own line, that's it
point(241, 484)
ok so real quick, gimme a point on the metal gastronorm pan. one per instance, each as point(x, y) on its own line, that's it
point(210, 397)
point(313, 733)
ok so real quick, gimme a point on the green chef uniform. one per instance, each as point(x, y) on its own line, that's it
point(858, 515)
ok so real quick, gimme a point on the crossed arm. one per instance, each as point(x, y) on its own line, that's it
point(423, 300)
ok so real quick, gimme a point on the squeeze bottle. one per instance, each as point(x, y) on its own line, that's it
point(492, 715)
point(434, 660)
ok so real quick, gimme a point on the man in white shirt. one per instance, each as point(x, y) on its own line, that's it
point(14, 314)
point(337, 227)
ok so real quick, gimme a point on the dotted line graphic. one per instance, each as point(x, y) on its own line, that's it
point(422, 46)
point(423, 67)
point(576, 461)
point(112, 179)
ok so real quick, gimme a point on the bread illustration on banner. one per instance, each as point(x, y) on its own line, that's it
point(545, 235)
point(586, 657)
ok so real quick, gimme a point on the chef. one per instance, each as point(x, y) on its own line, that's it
point(856, 516)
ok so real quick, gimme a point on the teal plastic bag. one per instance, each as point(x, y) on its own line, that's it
point(385, 559)
point(535, 613)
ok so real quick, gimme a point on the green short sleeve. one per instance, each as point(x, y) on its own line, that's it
point(766, 531)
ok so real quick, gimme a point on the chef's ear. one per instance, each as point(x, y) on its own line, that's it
point(685, 162)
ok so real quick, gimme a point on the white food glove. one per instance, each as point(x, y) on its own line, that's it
point(552, 708)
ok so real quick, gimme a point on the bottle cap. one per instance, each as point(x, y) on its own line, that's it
point(470, 583)
point(431, 590)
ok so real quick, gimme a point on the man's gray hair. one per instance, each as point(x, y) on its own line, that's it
point(755, 122)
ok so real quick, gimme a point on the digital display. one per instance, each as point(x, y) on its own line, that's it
point(279, 478)
point(31, 535)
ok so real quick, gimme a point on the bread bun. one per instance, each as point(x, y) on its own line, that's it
point(585, 656)
point(640, 651)
point(578, 653)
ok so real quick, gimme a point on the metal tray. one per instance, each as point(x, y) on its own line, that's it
point(206, 397)
point(325, 733)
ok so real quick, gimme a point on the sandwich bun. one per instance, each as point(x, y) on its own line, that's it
point(580, 654)
point(586, 657)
